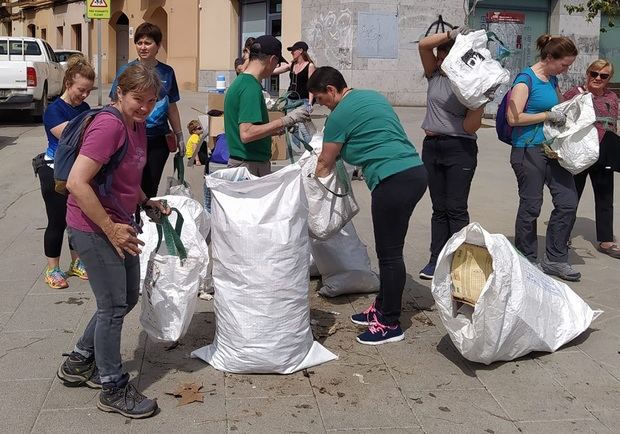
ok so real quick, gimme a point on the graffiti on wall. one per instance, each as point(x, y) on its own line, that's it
point(330, 34)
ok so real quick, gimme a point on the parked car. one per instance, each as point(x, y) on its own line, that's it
point(63, 56)
point(30, 74)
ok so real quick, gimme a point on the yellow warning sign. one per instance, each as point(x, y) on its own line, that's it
point(98, 9)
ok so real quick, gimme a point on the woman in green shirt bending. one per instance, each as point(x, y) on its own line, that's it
point(365, 131)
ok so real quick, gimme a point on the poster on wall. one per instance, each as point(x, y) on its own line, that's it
point(509, 28)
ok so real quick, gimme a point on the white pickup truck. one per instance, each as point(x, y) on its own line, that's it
point(30, 74)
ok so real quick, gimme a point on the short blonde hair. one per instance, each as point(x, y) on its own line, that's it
point(599, 64)
point(193, 125)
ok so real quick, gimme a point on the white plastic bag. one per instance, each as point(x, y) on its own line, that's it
point(169, 293)
point(196, 227)
point(520, 309)
point(260, 271)
point(328, 212)
point(344, 265)
point(474, 74)
point(575, 142)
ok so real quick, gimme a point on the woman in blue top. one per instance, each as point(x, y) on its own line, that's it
point(78, 82)
point(148, 40)
point(535, 92)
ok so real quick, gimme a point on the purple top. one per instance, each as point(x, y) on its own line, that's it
point(605, 106)
point(103, 137)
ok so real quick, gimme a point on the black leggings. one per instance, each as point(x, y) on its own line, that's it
point(393, 201)
point(156, 156)
point(56, 209)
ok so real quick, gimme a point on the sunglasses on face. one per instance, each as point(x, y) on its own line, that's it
point(595, 74)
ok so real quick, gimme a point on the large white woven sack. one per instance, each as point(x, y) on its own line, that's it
point(576, 142)
point(327, 213)
point(344, 265)
point(196, 227)
point(261, 254)
point(169, 294)
point(520, 308)
point(474, 74)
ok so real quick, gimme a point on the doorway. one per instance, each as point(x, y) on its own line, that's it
point(122, 40)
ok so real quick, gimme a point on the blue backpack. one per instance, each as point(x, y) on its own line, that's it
point(69, 146)
point(503, 129)
point(220, 152)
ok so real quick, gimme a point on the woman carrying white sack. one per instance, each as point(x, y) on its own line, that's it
point(535, 91)
point(450, 150)
point(365, 131)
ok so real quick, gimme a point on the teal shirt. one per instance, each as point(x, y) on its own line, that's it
point(245, 103)
point(542, 97)
point(371, 135)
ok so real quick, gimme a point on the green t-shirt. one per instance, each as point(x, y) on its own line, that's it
point(244, 102)
point(371, 135)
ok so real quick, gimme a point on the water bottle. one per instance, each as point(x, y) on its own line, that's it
point(220, 83)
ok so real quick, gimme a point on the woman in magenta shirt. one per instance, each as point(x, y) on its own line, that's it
point(104, 234)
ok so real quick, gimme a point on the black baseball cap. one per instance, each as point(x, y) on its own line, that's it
point(269, 45)
point(297, 45)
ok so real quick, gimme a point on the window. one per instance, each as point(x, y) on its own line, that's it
point(609, 45)
point(50, 52)
point(76, 37)
point(44, 34)
point(31, 48)
point(60, 37)
point(3, 47)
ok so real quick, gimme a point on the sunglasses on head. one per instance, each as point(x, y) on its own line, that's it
point(595, 74)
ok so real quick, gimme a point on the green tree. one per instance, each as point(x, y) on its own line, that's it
point(611, 8)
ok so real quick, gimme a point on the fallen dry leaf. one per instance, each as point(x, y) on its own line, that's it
point(188, 392)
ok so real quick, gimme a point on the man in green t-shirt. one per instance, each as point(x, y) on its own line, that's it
point(246, 121)
point(365, 131)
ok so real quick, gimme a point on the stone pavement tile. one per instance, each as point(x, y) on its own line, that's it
point(414, 429)
point(39, 312)
point(4, 318)
point(267, 386)
point(11, 301)
point(609, 323)
point(23, 264)
point(19, 285)
point(428, 363)
point(609, 298)
point(462, 411)
point(360, 397)
point(82, 420)
point(522, 386)
point(611, 419)
point(63, 397)
point(564, 427)
point(20, 402)
point(604, 348)
point(204, 416)
point(275, 414)
point(349, 351)
point(585, 379)
point(31, 354)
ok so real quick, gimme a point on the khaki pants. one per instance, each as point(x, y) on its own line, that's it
point(256, 168)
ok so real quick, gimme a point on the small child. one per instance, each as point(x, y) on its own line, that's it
point(191, 148)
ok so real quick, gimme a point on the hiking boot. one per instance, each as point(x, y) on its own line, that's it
point(364, 318)
point(563, 270)
point(379, 333)
point(428, 271)
point(123, 397)
point(78, 269)
point(55, 278)
point(78, 370)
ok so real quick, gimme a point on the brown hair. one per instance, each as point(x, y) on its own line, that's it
point(77, 64)
point(193, 125)
point(555, 46)
point(149, 30)
point(599, 64)
point(138, 78)
point(445, 47)
point(304, 55)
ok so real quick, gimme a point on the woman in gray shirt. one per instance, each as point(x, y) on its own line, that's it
point(450, 151)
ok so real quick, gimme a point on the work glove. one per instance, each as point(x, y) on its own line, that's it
point(556, 118)
point(180, 142)
point(463, 30)
point(300, 114)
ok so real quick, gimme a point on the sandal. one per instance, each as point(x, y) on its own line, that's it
point(613, 250)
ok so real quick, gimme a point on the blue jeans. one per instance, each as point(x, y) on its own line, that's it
point(116, 285)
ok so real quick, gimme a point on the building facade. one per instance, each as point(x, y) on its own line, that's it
point(373, 42)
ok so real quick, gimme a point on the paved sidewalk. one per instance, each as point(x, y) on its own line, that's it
point(419, 385)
